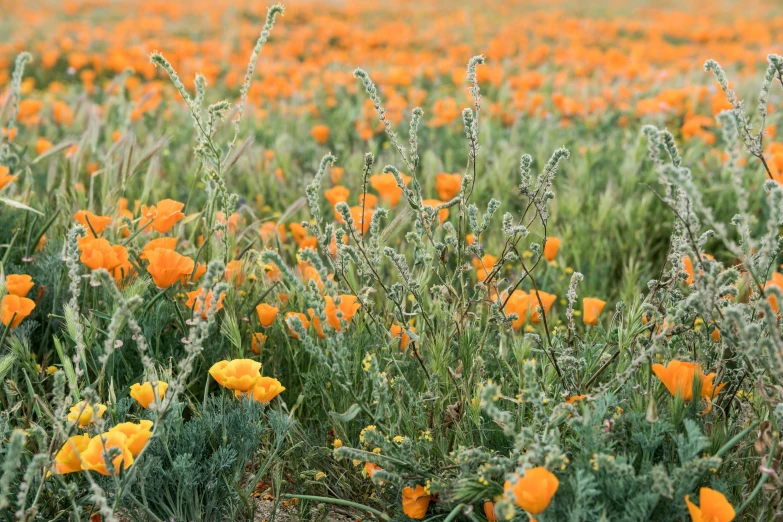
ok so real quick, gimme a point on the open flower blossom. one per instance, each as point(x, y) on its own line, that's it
point(687, 264)
point(777, 282)
point(92, 222)
point(237, 374)
point(167, 266)
point(525, 306)
point(266, 389)
point(337, 194)
point(484, 265)
point(448, 185)
point(398, 332)
point(194, 302)
point(387, 188)
point(98, 452)
point(144, 394)
point(169, 243)
point(347, 306)
point(713, 507)
point(534, 490)
point(302, 317)
point(415, 501)
point(591, 309)
point(551, 247)
point(257, 341)
point(163, 216)
point(85, 414)
point(67, 459)
point(5, 177)
point(320, 133)
point(266, 314)
point(14, 309)
point(235, 272)
point(443, 214)
point(18, 284)
point(678, 377)
point(137, 434)
point(99, 253)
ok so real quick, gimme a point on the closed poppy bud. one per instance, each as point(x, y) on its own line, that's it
point(67, 459)
point(448, 185)
point(551, 247)
point(92, 222)
point(144, 395)
point(713, 507)
point(398, 332)
point(237, 374)
point(137, 435)
point(85, 414)
point(347, 306)
point(14, 309)
point(98, 451)
point(258, 340)
point(320, 133)
point(591, 309)
point(5, 176)
point(18, 284)
point(265, 389)
point(534, 490)
point(167, 266)
point(489, 511)
point(266, 314)
point(164, 215)
point(415, 501)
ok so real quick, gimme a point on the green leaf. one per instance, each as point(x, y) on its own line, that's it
point(349, 415)
point(16, 204)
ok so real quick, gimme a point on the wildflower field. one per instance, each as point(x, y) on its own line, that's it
point(364, 260)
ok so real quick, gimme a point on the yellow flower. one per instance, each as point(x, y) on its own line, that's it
point(320, 475)
point(67, 459)
point(266, 389)
point(137, 434)
point(713, 507)
point(238, 374)
point(143, 393)
point(85, 413)
point(97, 451)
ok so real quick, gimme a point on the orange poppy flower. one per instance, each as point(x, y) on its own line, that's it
point(144, 392)
point(534, 490)
point(386, 186)
point(237, 374)
point(448, 185)
point(42, 145)
point(194, 303)
point(336, 174)
point(551, 248)
point(370, 468)
point(5, 177)
point(67, 459)
point(85, 414)
point(266, 389)
point(443, 214)
point(92, 222)
point(316, 321)
point(169, 243)
point(94, 457)
point(168, 266)
point(302, 317)
point(713, 507)
point(269, 230)
point(99, 253)
point(688, 266)
point(266, 314)
point(678, 378)
point(415, 501)
point(15, 309)
point(489, 511)
point(576, 398)
point(398, 332)
point(772, 299)
point(18, 284)
point(164, 215)
point(525, 305)
point(234, 272)
point(591, 309)
point(320, 133)
point(258, 340)
point(484, 266)
point(347, 306)
point(337, 194)
point(137, 434)
point(194, 275)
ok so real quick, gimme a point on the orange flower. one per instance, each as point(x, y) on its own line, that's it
point(85, 414)
point(688, 266)
point(320, 133)
point(99, 253)
point(257, 341)
point(18, 284)
point(14, 309)
point(234, 273)
point(42, 145)
point(415, 501)
point(266, 389)
point(575, 398)
point(5, 177)
point(534, 490)
point(443, 214)
point(302, 317)
point(144, 394)
point(194, 303)
point(386, 186)
point(168, 266)
point(67, 459)
point(62, 113)
point(591, 309)
point(524, 305)
point(448, 185)
point(370, 468)
point(678, 377)
point(347, 307)
point(337, 194)
point(164, 215)
point(299, 232)
point(489, 511)
point(92, 222)
point(169, 243)
point(269, 229)
point(713, 507)
point(238, 374)
point(97, 452)
point(398, 332)
point(776, 281)
point(484, 266)
point(137, 435)
point(194, 275)
point(316, 323)
point(336, 174)
point(551, 248)
point(266, 314)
